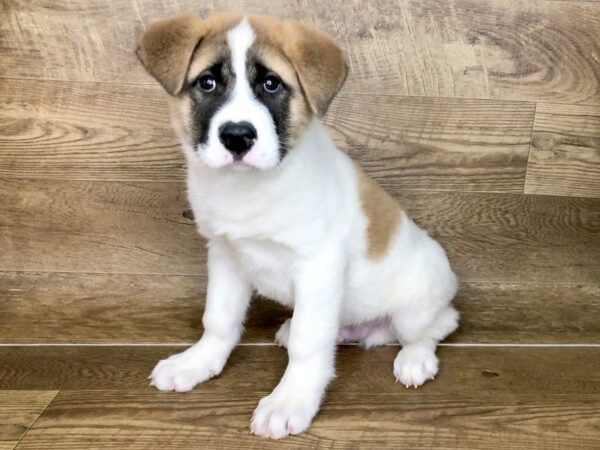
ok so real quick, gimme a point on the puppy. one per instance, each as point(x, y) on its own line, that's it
point(288, 215)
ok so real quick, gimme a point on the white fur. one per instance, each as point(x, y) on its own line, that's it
point(297, 234)
point(242, 106)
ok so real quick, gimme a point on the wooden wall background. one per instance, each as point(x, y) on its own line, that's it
point(481, 116)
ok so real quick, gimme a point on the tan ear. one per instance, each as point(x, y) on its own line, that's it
point(165, 49)
point(319, 62)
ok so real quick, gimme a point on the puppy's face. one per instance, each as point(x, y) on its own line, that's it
point(243, 89)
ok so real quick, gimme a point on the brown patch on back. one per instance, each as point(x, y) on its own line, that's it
point(383, 215)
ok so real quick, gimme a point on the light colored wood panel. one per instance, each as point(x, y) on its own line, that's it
point(8, 445)
point(18, 411)
point(483, 398)
point(76, 226)
point(111, 308)
point(460, 48)
point(65, 130)
point(86, 131)
point(436, 144)
point(565, 151)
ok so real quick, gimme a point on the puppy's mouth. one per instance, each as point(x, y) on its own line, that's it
point(241, 166)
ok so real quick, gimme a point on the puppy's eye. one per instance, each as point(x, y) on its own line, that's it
point(206, 82)
point(272, 84)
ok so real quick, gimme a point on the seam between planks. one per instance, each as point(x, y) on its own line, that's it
point(201, 275)
point(530, 146)
point(272, 344)
point(36, 419)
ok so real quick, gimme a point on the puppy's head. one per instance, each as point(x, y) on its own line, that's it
point(242, 88)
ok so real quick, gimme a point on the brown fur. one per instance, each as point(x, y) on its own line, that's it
point(307, 60)
point(383, 214)
point(167, 46)
point(319, 63)
point(271, 55)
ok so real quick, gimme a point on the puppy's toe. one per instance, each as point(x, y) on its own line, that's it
point(414, 365)
point(182, 372)
point(278, 416)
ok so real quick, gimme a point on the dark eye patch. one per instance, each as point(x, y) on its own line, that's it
point(278, 103)
point(204, 103)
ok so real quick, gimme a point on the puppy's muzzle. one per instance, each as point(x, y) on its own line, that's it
point(238, 138)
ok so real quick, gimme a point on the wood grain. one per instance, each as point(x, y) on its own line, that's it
point(98, 227)
point(436, 144)
point(483, 398)
point(115, 308)
point(76, 226)
point(86, 131)
point(65, 130)
point(402, 421)
point(495, 370)
point(460, 48)
point(159, 309)
point(565, 151)
point(18, 411)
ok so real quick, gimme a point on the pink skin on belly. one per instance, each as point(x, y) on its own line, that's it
point(360, 331)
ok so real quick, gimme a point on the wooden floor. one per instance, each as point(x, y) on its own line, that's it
point(482, 117)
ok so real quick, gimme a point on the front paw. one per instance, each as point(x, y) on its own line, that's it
point(283, 413)
point(183, 371)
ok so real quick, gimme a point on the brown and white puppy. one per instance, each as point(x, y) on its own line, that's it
point(288, 215)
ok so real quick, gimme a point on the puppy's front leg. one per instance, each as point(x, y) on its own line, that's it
point(290, 408)
point(227, 299)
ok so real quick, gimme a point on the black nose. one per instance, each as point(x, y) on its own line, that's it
point(238, 138)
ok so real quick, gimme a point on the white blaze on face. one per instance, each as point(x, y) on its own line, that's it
point(242, 106)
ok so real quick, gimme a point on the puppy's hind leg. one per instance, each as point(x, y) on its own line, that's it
point(419, 333)
point(283, 334)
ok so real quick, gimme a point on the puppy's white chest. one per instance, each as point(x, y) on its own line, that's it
point(268, 266)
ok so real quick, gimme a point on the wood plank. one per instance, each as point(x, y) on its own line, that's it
point(65, 130)
point(117, 227)
point(159, 309)
point(98, 227)
point(460, 48)
point(87, 131)
point(115, 308)
point(407, 421)
point(483, 398)
point(18, 411)
point(565, 151)
point(468, 370)
point(435, 144)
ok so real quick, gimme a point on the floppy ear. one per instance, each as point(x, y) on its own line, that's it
point(165, 49)
point(320, 64)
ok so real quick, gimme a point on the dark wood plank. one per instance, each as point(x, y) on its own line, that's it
point(76, 226)
point(158, 309)
point(67, 130)
point(460, 48)
point(565, 151)
point(468, 370)
point(483, 398)
point(115, 308)
point(98, 227)
point(18, 411)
